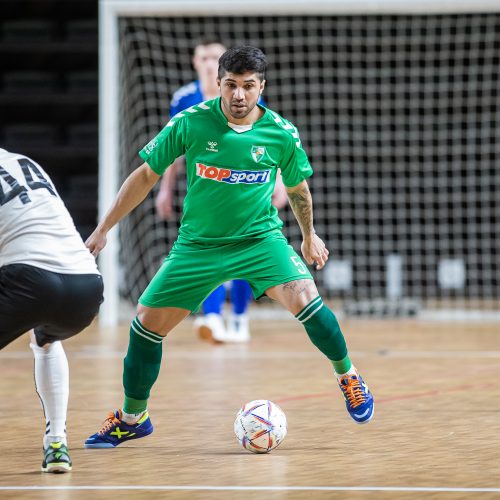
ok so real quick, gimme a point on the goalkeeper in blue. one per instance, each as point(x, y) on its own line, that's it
point(234, 148)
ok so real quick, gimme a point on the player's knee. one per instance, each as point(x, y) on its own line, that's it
point(160, 320)
point(294, 295)
point(148, 320)
point(299, 294)
point(310, 291)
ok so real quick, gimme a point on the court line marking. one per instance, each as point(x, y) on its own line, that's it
point(252, 488)
point(388, 399)
point(232, 352)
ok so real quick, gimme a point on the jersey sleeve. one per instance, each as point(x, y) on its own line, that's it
point(169, 144)
point(294, 166)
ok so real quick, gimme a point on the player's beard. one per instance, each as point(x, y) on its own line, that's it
point(243, 111)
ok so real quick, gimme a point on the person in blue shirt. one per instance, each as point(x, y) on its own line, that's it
point(211, 325)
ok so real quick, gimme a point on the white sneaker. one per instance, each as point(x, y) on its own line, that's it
point(210, 328)
point(238, 329)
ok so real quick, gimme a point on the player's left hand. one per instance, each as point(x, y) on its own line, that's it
point(314, 251)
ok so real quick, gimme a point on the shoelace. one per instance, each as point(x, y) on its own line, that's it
point(353, 391)
point(108, 423)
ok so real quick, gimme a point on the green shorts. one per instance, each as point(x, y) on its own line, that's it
point(192, 271)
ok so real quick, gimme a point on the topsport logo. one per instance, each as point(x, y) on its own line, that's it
point(233, 176)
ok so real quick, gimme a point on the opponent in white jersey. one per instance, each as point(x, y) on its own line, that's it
point(35, 227)
point(49, 285)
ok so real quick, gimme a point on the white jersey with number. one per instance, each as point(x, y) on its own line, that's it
point(35, 226)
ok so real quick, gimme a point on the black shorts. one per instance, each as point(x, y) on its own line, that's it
point(57, 306)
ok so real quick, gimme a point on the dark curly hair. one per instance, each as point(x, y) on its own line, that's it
point(245, 59)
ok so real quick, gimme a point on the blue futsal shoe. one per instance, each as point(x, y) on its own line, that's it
point(114, 431)
point(358, 398)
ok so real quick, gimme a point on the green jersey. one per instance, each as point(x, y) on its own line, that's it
point(231, 172)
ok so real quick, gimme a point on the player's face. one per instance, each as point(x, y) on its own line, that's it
point(240, 94)
point(206, 60)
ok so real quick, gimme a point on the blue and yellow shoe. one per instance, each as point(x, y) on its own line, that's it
point(56, 458)
point(358, 398)
point(114, 431)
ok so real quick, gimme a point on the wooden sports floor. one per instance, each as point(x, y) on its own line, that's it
point(435, 433)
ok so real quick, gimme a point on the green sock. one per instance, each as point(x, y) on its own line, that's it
point(342, 366)
point(141, 366)
point(324, 331)
point(134, 406)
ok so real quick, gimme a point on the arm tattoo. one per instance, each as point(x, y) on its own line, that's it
point(301, 203)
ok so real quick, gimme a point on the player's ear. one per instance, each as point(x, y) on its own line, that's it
point(262, 85)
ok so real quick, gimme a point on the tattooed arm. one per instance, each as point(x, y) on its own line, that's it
point(313, 247)
point(301, 203)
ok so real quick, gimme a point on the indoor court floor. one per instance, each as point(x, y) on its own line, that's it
point(434, 433)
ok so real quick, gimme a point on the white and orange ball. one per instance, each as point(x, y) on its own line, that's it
point(260, 426)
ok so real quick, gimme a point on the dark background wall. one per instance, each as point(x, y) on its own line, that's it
point(49, 94)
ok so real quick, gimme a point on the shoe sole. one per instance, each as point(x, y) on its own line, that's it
point(57, 468)
point(205, 334)
point(100, 445)
point(237, 339)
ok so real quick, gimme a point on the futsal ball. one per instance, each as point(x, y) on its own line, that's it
point(260, 426)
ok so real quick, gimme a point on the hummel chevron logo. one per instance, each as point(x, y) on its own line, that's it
point(212, 146)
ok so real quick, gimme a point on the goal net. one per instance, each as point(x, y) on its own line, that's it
point(400, 116)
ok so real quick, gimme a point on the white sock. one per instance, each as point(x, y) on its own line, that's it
point(351, 371)
point(52, 386)
point(132, 418)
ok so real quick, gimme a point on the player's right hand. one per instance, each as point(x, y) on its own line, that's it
point(96, 242)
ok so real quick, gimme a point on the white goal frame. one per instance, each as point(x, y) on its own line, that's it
point(109, 13)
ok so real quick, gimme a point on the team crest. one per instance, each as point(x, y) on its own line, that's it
point(258, 153)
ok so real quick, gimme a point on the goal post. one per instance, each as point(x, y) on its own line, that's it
point(397, 105)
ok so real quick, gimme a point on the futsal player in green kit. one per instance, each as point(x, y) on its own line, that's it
point(229, 230)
